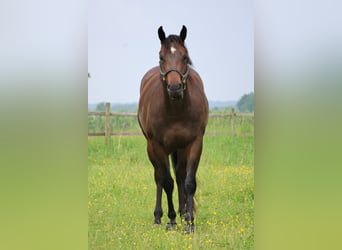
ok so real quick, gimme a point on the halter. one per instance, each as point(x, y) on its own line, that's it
point(183, 76)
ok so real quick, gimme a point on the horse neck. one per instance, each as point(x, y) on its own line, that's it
point(174, 106)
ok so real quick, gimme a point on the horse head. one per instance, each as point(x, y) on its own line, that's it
point(174, 63)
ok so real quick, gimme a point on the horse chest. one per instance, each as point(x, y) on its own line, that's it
point(176, 136)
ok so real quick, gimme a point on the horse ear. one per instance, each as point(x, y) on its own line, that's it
point(183, 33)
point(161, 33)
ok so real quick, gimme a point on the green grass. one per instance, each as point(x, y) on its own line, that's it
point(122, 197)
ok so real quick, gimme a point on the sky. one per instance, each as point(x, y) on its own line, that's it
point(123, 45)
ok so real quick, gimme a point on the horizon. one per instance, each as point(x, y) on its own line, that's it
point(129, 106)
point(136, 102)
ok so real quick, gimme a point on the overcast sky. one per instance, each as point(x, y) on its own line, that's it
point(123, 44)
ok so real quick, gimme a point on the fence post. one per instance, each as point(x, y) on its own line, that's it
point(107, 124)
point(232, 122)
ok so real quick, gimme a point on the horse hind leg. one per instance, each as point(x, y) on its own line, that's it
point(158, 211)
point(190, 189)
point(190, 183)
point(179, 165)
point(174, 159)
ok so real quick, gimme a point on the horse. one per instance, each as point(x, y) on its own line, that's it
point(173, 114)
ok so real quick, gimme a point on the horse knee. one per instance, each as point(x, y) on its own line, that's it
point(190, 186)
point(168, 184)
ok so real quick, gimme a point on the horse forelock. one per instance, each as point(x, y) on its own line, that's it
point(170, 41)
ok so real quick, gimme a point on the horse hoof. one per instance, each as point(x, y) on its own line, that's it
point(157, 222)
point(171, 226)
point(189, 228)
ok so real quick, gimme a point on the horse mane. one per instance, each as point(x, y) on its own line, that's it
point(175, 39)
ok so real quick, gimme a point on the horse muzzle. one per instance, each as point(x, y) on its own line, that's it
point(176, 90)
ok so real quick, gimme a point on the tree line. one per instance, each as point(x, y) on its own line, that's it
point(246, 103)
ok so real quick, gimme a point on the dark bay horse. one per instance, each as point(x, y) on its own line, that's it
point(173, 114)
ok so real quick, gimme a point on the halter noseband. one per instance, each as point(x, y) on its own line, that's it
point(183, 76)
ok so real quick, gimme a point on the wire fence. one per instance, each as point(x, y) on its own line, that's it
point(109, 124)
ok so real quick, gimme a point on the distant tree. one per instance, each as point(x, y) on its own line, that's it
point(101, 106)
point(246, 103)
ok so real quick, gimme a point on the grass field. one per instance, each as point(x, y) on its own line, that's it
point(122, 197)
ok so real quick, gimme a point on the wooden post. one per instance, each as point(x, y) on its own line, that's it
point(107, 124)
point(232, 122)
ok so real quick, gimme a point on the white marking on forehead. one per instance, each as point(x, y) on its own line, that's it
point(173, 49)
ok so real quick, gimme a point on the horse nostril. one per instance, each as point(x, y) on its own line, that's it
point(174, 87)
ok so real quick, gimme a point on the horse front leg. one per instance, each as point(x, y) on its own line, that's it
point(163, 179)
point(158, 211)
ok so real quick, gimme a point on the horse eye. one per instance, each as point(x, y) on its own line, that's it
point(185, 59)
point(161, 59)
